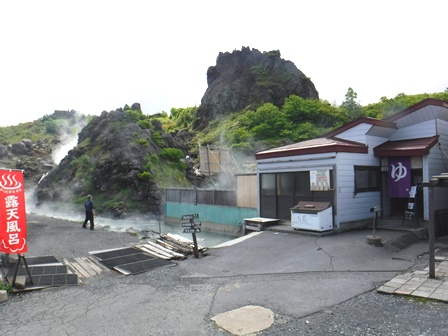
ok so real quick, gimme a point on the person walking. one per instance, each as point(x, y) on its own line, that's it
point(90, 212)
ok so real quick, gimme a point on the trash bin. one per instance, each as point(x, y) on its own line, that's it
point(313, 216)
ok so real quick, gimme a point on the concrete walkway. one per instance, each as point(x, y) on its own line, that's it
point(419, 284)
point(271, 281)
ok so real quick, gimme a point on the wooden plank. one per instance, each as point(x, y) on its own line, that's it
point(171, 247)
point(155, 254)
point(175, 246)
point(72, 269)
point(182, 240)
point(174, 253)
point(121, 270)
point(108, 250)
point(179, 247)
point(165, 244)
point(98, 268)
point(158, 251)
point(261, 220)
point(253, 227)
point(86, 266)
point(179, 238)
point(80, 271)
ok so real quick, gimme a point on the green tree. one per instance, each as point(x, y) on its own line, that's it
point(183, 117)
point(51, 126)
point(171, 154)
point(386, 107)
point(133, 115)
point(350, 105)
point(318, 112)
point(267, 122)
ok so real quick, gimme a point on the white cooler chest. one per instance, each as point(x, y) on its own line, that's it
point(313, 216)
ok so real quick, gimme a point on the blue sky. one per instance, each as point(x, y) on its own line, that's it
point(97, 55)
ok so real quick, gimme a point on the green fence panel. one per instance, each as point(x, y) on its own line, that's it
point(211, 213)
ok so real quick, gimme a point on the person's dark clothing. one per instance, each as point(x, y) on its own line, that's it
point(89, 206)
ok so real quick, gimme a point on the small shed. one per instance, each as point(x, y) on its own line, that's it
point(367, 162)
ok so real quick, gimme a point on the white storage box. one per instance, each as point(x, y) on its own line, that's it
point(314, 216)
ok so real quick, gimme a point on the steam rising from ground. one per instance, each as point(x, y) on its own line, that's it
point(68, 134)
point(67, 144)
point(134, 224)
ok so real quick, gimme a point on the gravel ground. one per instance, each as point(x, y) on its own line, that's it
point(367, 314)
point(373, 314)
point(370, 314)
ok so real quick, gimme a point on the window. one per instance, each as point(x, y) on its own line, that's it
point(268, 184)
point(285, 184)
point(367, 178)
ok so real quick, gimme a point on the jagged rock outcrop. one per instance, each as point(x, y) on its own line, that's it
point(19, 148)
point(36, 157)
point(112, 151)
point(249, 78)
point(3, 150)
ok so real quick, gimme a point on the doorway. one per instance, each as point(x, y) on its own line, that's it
point(395, 207)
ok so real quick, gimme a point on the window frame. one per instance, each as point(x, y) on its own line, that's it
point(376, 170)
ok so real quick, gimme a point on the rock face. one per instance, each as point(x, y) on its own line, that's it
point(114, 150)
point(249, 78)
point(34, 158)
point(111, 152)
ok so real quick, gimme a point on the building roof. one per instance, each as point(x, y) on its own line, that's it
point(358, 121)
point(389, 122)
point(433, 108)
point(416, 107)
point(412, 147)
point(314, 146)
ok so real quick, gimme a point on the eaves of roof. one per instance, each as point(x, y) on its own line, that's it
point(358, 121)
point(416, 107)
point(314, 146)
point(412, 147)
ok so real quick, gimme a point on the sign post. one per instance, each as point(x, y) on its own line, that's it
point(435, 181)
point(13, 216)
point(192, 227)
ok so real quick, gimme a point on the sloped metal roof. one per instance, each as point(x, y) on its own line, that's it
point(314, 146)
point(433, 108)
point(361, 120)
point(412, 147)
point(419, 106)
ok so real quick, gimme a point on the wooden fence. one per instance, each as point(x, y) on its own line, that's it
point(201, 196)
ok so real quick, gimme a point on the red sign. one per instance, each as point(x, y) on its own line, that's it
point(12, 212)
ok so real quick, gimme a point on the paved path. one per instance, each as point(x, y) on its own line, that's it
point(419, 284)
point(290, 275)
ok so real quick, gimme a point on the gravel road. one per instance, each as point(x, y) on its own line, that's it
point(323, 298)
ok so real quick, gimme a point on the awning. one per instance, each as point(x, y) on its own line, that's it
point(412, 147)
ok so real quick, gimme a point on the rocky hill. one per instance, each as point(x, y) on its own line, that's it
point(127, 159)
point(248, 78)
point(34, 158)
point(123, 158)
point(35, 153)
